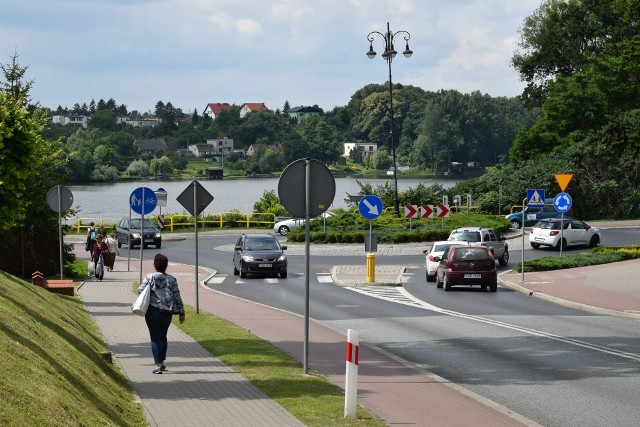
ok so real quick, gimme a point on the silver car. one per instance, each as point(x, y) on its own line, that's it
point(285, 226)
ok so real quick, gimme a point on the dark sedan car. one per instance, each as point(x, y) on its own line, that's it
point(467, 266)
point(259, 254)
point(151, 233)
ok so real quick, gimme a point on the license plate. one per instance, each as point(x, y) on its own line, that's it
point(539, 239)
point(148, 240)
point(473, 276)
point(265, 265)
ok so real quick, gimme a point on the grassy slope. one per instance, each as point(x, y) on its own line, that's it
point(51, 368)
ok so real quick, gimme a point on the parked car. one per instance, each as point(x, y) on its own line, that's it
point(285, 226)
point(575, 232)
point(126, 231)
point(470, 265)
point(437, 250)
point(259, 254)
point(485, 236)
point(533, 215)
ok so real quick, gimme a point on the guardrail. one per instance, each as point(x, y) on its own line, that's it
point(176, 221)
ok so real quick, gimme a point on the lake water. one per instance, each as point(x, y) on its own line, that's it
point(112, 200)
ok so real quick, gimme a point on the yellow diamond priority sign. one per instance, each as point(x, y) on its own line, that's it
point(563, 180)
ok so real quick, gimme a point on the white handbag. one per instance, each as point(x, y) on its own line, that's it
point(141, 304)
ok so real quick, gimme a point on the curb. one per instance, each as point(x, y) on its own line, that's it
point(561, 301)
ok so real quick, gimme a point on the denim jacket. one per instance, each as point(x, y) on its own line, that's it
point(165, 294)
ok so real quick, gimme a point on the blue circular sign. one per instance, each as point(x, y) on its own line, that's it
point(562, 202)
point(370, 207)
point(143, 200)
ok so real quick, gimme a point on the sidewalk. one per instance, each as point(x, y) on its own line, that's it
point(197, 389)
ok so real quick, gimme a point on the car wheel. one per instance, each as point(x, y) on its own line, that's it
point(243, 273)
point(561, 243)
point(283, 274)
point(431, 278)
point(595, 241)
point(438, 282)
point(447, 285)
point(505, 258)
point(283, 230)
point(493, 287)
point(158, 245)
point(515, 225)
point(535, 245)
point(235, 270)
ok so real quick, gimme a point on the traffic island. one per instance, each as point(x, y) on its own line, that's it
point(356, 275)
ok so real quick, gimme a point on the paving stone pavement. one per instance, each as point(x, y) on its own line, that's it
point(198, 389)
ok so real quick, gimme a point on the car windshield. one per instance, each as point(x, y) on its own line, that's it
point(261, 244)
point(467, 236)
point(471, 254)
point(135, 223)
point(442, 247)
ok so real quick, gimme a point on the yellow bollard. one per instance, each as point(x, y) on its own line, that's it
point(371, 267)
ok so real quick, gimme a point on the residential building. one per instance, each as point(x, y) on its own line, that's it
point(124, 120)
point(251, 151)
point(151, 146)
point(250, 107)
point(221, 145)
point(368, 148)
point(213, 110)
point(302, 112)
point(72, 119)
point(201, 150)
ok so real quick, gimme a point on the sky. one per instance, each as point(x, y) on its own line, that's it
point(307, 52)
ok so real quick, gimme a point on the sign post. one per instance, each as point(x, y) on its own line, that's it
point(142, 201)
point(194, 199)
point(370, 207)
point(60, 199)
point(562, 202)
point(306, 189)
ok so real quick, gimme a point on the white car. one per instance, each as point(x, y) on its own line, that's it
point(575, 232)
point(285, 226)
point(437, 250)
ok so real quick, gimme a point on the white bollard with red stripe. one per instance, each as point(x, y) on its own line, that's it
point(351, 380)
point(161, 221)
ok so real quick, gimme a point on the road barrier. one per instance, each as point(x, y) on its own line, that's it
point(185, 221)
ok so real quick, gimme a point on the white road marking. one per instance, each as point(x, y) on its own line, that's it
point(401, 296)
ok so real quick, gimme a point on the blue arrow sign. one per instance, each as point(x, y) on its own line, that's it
point(562, 202)
point(143, 200)
point(370, 207)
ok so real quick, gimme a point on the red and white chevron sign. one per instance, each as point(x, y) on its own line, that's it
point(410, 211)
point(427, 211)
point(443, 211)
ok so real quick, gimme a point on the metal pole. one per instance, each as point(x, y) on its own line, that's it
point(60, 231)
point(195, 229)
point(522, 228)
point(307, 231)
point(141, 236)
point(561, 232)
point(129, 243)
point(396, 205)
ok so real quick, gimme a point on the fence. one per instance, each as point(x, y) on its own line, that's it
point(174, 222)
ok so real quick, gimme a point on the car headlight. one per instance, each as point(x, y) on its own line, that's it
point(247, 258)
point(158, 234)
point(282, 258)
point(135, 236)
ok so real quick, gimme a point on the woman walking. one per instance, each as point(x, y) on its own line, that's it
point(100, 257)
point(165, 301)
point(112, 244)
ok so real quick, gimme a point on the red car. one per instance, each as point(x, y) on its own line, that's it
point(467, 266)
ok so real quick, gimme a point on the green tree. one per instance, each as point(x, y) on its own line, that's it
point(138, 168)
point(161, 166)
point(14, 85)
point(104, 120)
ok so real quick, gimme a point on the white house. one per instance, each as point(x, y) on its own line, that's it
point(74, 119)
point(368, 148)
point(248, 107)
point(124, 120)
point(214, 109)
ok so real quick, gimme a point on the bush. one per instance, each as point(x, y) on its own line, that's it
point(573, 261)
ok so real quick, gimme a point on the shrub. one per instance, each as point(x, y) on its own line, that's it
point(572, 261)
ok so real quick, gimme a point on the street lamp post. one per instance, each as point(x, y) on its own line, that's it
point(388, 55)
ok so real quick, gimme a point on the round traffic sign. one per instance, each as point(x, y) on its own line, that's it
point(370, 206)
point(292, 188)
point(59, 200)
point(562, 202)
point(143, 200)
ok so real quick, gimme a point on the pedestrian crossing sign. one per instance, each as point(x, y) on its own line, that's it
point(535, 198)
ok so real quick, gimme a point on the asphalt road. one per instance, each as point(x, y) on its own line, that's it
point(554, 365)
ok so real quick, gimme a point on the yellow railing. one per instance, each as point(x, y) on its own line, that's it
point(171, 222)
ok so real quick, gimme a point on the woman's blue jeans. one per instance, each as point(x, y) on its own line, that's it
point(158, 322)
